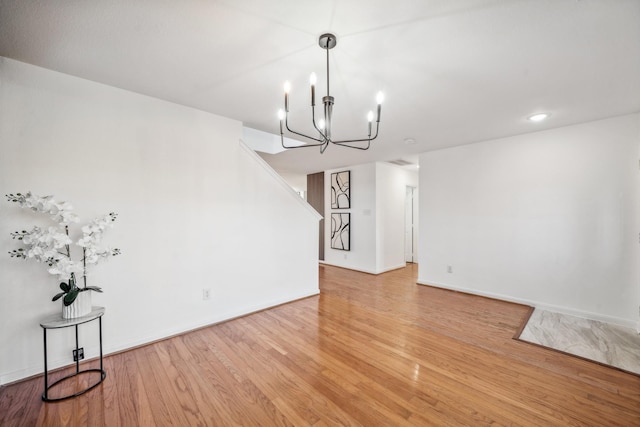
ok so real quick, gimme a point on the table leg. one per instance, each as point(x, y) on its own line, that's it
point(46, 373)
point(100, 326)
point(77, 355)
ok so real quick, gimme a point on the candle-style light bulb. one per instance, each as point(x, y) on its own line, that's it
point(287, 88)
point(321, 124)
point(370, 116)
point(312, 81)
point(379, 99)
point(281, 117)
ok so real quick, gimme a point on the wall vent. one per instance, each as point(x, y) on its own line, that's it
point(400, 162)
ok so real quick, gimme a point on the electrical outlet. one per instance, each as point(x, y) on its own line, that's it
point(206, 294)
point(78, 354)
point(449, 269)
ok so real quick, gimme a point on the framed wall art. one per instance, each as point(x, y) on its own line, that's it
point(341, 190)
point(341, 231)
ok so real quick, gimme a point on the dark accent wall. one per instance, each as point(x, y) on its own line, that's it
point(315, 197)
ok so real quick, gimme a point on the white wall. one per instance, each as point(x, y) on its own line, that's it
point(196, 210)
point(638, 210)
point(378, 192)
point(362, 256)
point(391, 188)
point(548, 218)
point(296, 181)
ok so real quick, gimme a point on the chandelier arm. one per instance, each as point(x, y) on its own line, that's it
point(355, 146)
point(298, 146)
point(320, 141)
point(286, 122)
point(324, 147)
point(347, 141)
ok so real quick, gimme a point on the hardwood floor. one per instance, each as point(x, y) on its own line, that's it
point(369, 350)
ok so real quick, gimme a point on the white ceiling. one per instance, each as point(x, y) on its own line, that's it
point(453, 71)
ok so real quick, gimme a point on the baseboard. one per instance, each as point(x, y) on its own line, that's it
point(537, 304)
point(362, 270)
point(397, 267)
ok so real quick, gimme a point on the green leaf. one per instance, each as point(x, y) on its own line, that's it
point(57, 297)
point(66, 288)
point(70, 297)
point(93, 288)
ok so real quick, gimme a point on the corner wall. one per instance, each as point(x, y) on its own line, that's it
point(377, 210)
point(195, 211)
point(549, 219)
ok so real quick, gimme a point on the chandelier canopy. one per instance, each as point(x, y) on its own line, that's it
point(323, 126)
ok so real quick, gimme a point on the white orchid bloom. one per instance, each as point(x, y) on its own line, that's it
point(51, 245)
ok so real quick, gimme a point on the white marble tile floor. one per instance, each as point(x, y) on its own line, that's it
point(602, 342)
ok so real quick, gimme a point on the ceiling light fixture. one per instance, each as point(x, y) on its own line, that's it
point(323, 126)
point(538, 117)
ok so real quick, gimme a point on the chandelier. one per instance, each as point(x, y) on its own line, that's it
point(323, 126)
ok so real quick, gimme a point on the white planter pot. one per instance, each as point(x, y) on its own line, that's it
point(80, 307)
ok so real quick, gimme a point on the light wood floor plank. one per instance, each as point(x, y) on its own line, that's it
point(369, 350)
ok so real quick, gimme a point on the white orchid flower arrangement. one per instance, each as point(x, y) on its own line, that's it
point(52, 245)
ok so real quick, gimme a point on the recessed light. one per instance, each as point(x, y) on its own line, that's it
point(409, 141)
point(538, 117)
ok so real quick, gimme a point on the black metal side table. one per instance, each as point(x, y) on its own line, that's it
point(57, 322)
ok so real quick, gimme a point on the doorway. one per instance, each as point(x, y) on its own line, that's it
point(410, 225)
